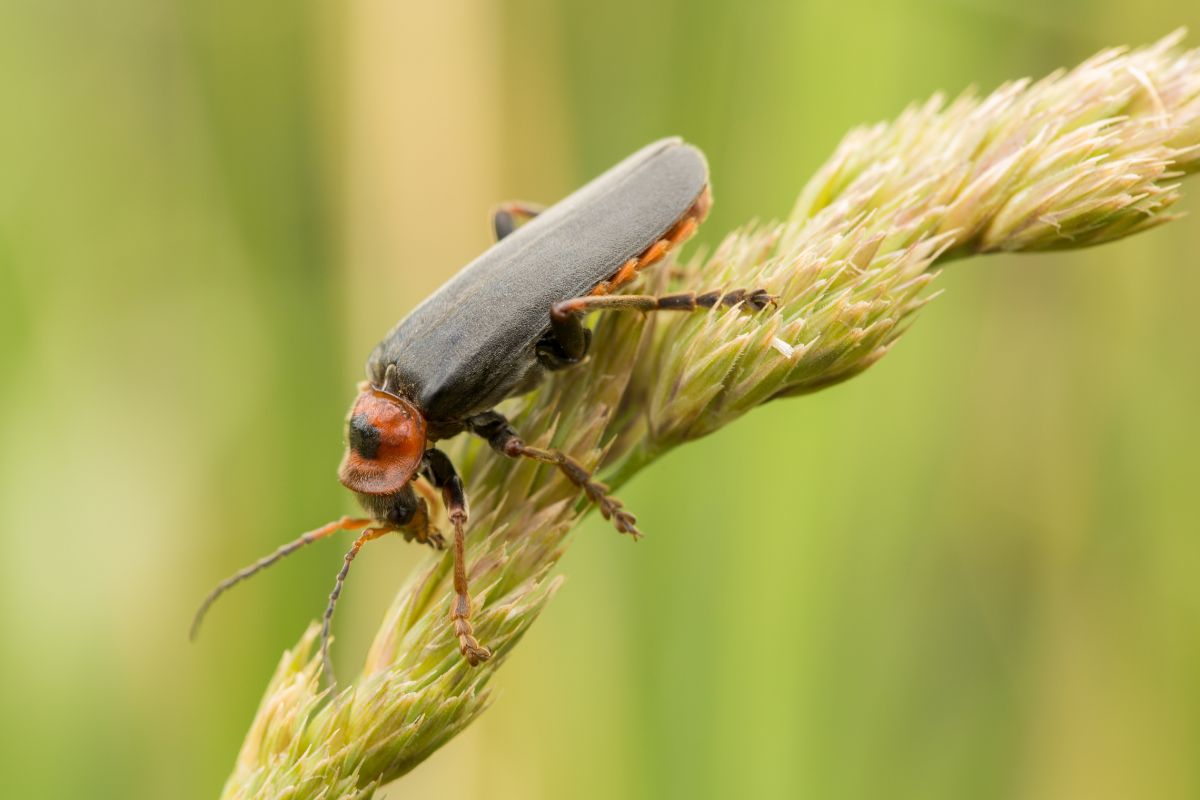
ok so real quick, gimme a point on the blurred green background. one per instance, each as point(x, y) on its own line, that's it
point(971, 572)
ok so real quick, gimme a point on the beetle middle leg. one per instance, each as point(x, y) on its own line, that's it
point(503, 438)
point(507, 217)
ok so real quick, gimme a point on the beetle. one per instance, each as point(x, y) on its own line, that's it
point(493, 331)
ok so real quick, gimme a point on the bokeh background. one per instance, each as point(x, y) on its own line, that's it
point(971, 572)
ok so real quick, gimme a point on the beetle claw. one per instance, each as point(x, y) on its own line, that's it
point(759, 299)
point(627, 523)
point(473, 651)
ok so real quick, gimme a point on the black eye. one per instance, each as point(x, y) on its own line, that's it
point(364, 437)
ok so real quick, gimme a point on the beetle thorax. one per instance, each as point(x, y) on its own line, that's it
point(385, 443)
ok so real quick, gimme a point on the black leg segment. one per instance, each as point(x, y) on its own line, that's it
point(565, 345)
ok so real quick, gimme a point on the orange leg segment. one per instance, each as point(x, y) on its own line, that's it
point(679, 233)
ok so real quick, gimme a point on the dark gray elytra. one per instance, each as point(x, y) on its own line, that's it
point(472, 342)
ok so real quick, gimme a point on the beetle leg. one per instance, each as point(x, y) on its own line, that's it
point(440, 472)
point(754, 299)
point(677, 235)
point(567, 342)
point(420, 528)
point(507, 217)
point(495, 428)
point(411, 520)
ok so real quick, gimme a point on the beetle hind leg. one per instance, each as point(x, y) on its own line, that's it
point(568, 340)
point(679, 233)
point(752, 299)
point(503, 438)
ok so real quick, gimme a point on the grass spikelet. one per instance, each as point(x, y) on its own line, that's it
point(1079, 158)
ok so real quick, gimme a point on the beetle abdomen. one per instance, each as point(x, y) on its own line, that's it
point(471, 343)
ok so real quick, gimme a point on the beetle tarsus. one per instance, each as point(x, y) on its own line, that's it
point(434, 540)
point(610, 507)
point(460, 613)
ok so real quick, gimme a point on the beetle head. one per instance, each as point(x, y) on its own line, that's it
point(386, 442)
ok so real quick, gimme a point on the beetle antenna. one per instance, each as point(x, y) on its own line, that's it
point(327, 622)
point(343, 524)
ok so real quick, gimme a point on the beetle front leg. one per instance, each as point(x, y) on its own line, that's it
point(503, 438)
point(507, 217)
point(420, 528)
point(440, 472)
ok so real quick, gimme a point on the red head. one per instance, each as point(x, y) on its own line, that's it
point(386, 443)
